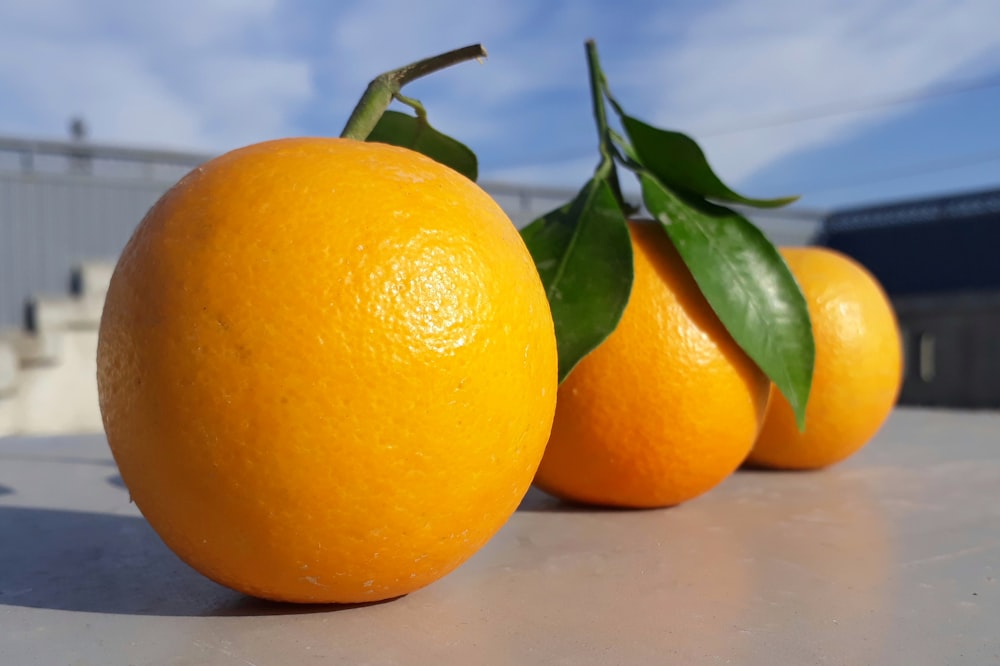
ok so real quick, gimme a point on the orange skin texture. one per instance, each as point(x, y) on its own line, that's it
point(666, 408)
point(858, 369)
point(327, 369)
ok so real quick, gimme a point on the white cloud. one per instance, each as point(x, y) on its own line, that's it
point(103, 84)
point(744, 61)
point(176, 74)
point(372, 36)
point(531, 50)
point(212, 74)
point(571, 173)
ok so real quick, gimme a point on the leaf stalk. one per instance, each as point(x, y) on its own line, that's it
point(388, 86)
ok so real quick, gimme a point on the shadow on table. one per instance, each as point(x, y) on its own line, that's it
point(540, 501)
point(105, 563)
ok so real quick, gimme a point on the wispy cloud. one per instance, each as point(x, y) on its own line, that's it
point(213, 74)
point(183, 74)
point(741, 62)
point(534, 50)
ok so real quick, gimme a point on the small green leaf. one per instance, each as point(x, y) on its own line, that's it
point(583, 252)
point(747, 283)
point(679, 163)
point(401, 129)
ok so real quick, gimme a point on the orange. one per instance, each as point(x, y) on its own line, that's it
point(858, 367)
point(327, 369)
point(666, 408)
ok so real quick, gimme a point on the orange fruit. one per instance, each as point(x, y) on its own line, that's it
point(327, 369)
point(858, 368)
point(665, 408)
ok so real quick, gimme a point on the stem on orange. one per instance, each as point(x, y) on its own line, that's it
point(606, 144)
point(386, 87)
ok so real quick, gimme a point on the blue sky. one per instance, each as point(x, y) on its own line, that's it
point(210, 75)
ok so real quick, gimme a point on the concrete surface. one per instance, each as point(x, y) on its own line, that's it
point(53, 388)
point(46, 313)
point(893, 557)
point(9, 366)
point(90, 279)
point(62, 398)
point(48, 370)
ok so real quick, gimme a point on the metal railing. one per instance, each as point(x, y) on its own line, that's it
point(63, 202)
point(75, 158)
point(45, 156)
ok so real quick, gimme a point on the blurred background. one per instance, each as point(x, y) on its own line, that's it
point(881, 114)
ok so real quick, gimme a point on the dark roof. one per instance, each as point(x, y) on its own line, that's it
point(946, 244)
point(932, 209)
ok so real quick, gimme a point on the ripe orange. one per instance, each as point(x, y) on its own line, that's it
point(858, 368)
point(666, 408)
point(327, 369)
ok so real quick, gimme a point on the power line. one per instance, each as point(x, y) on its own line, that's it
point(845, 107)
point(860, 104)
point(932, 166)
point(864, 104)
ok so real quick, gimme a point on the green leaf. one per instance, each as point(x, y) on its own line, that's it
point(583, 252)
point(747, 283)
point(401, 129)
point(679, 163)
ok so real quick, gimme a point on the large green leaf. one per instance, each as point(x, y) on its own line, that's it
point(583, 253)
point(679, 163)
point(401, 129)
point(747, 283)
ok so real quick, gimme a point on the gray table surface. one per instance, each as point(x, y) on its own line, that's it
point(893, 557)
